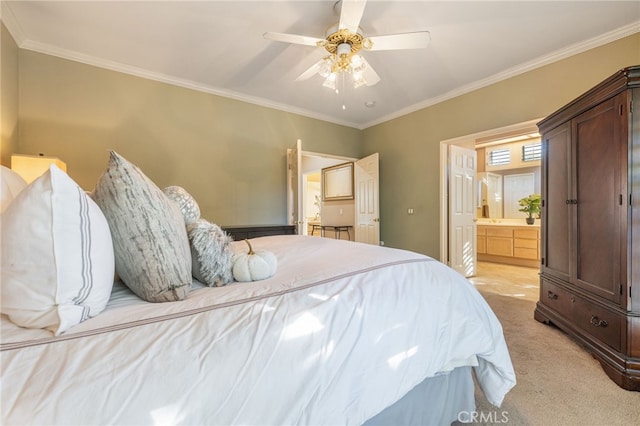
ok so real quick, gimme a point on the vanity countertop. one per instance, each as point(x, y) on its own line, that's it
point(506, 222)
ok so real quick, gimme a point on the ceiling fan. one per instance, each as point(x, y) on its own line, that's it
point(344, 41)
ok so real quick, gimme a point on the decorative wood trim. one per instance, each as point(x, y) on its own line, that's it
point(242, 232)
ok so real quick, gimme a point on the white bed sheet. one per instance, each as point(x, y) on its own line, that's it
point(340, 332)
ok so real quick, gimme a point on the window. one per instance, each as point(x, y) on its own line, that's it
point(499, 157)
point(532, 152)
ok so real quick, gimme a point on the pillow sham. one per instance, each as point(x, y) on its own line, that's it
point(11, 184)
point(150, 241)
point(57, 255)
point(211, 253)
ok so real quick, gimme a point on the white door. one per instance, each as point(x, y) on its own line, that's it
point(294, 200)
point(367, 205)
point(462, 210)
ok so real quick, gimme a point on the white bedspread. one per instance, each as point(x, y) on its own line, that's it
point(341, 331)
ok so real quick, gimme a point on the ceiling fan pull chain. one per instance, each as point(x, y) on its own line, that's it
point(344, 105)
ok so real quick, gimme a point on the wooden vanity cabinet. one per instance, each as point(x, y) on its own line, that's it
point(481, 240)
point(590, 279)
point(514, 245)
point(500, 241)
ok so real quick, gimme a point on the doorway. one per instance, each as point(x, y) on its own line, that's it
point(354, 215)
point(480, 139)
point(312, 204)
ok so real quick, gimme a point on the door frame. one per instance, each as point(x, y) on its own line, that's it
point(469, 141)
point(303, 154)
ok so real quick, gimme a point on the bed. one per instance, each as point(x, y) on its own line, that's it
point(340, 333)
point(337, 332)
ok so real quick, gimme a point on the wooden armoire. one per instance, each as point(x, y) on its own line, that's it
point(590, 229)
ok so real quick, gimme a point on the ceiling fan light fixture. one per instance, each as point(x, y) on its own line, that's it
point(344, 40)
point(330, 81)
point(343, 50)
point(358, 64)
point(325, 67)
point(359, 81)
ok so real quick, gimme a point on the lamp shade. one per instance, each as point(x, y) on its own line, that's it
point(30, 167)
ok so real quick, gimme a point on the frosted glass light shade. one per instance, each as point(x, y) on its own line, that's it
point(30, 167)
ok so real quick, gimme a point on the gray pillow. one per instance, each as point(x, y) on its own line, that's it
point(150, 242)
point(186, 203)
point(211, 253)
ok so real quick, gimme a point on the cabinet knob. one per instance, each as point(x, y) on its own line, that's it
point(551, 295)
point(596, 322)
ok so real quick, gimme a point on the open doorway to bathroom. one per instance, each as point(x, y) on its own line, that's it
point(508, 169)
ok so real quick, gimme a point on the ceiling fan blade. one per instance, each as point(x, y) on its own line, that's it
point(351, 14)
point(294, 38)
point(416, 40)
point(311, 71)
point(370, 76)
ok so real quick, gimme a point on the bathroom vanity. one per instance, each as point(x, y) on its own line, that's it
point(509, 241)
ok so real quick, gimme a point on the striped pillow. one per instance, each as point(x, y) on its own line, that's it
point(150, 241)
point(57, 255)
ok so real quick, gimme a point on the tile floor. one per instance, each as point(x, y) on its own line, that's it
point(507, 280)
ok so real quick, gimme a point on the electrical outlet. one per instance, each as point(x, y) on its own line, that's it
point(409, 211)
point(381, 242)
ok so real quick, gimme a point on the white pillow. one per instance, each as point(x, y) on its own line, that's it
point(149, 236)
point(57, 255)
point(11, 184)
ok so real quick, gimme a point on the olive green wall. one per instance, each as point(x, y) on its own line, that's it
point(409, 146)
point(230, 155)
point(9, 98)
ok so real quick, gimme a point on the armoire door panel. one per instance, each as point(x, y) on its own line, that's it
point(597, 189)
point(556, 211)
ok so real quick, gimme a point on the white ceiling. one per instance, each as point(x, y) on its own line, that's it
point(218, 47)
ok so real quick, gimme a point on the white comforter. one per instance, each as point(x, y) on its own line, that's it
point(341, 331)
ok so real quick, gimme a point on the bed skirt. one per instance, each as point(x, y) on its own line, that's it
point(439, 400)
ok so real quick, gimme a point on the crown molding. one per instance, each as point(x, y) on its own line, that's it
point(23, 42)
point(10, 21)
point(163, 78)
point(539, 62)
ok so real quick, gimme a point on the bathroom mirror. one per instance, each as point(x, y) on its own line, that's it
point(337, 182)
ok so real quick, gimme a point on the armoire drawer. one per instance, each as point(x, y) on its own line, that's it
point(597, 321)
point(557, 298)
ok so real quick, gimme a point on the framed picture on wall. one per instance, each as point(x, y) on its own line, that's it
point(337, 182)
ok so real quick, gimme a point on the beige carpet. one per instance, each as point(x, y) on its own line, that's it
point(559, 383)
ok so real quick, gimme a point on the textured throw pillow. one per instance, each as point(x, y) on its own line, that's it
point(149, 237)
point(211, 253)
point(186, 203)
point(11, 184)
point(57, 255)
